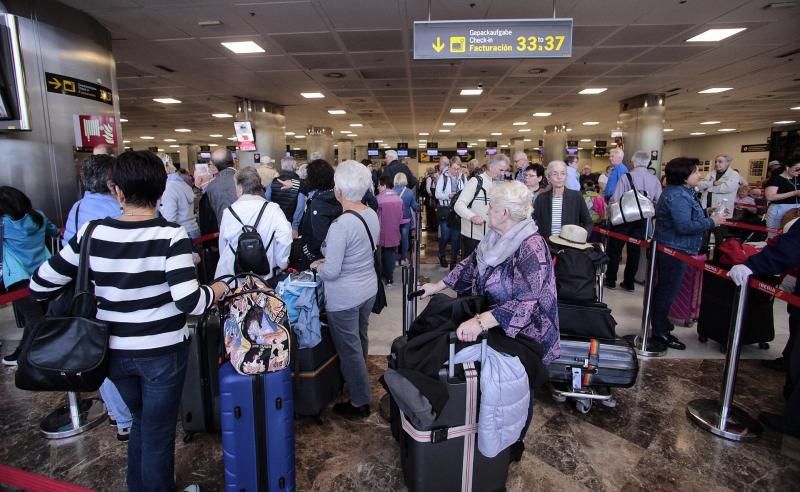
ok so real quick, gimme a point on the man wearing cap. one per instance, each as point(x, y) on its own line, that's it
point(777, 258)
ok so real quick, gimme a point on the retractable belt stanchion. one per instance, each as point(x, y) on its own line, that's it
point(721, 417)
point(77, 416)
point(417, 277)
point(640, 342)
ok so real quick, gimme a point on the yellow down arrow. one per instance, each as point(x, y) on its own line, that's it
point(438, 45)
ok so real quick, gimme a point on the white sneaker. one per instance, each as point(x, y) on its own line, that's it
point(192, 488)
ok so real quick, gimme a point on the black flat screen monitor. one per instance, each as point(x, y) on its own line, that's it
point(433, 152)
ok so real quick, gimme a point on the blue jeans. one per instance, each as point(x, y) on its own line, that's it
point(405, 230)
point(388, 258)
point(775, 213)
point(449, 235)
point(151, 387)
point(115, 405)
point(670, 277)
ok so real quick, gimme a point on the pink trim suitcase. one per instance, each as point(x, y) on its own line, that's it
point(685, 309)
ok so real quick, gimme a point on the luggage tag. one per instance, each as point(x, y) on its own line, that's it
point(576, 378)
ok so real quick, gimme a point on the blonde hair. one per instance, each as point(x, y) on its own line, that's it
point(513, 196)
point(400, 179)
point(552, 166)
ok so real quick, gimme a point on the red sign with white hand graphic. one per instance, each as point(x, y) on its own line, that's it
point(93, 130)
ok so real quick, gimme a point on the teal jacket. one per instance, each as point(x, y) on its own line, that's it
point(24, 247)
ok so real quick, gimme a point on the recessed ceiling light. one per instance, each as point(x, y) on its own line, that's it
point(337, 111)
point(586, 140)
point(126, 141)
point(209, 23)
point(174, 146)
point(504, 146)
point(352, 135)
point(221, 115)
point(448, 123)
point(216, 135)
point(378, 141)
point(779, 5)
point(167, 100)
point(300, 136)
point(172, 139)
point(715, 90)
point(356, 125)
point(526, 139)
point(334, 75)
point(233, 139)
point(697, 133)
point(159, 150)
point(182, 130)
point(783, 122)
point(344, 131)
point(715, 35)
point(712, 122)
point(541, 115)
point(423, 134)
point(668, 130)
point(123, 120)
point(496, 134)
point(481, 140)
point(593, 90)
point(796, 107)
point(312, 95)
point(580, 148)
point(458, 110)
point(471, 92)
point(213, 145)
point(241, 47)
point(727, 130)
point(590, 123)
point(519, 123)
point(444, 130)
point(569, 129)
point(288, 134)
point(295, 148)
point(147, 138)
point(524, 130)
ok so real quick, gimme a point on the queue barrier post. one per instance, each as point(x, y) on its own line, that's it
point(721, 417)
point(640, 342)
point(76, 417)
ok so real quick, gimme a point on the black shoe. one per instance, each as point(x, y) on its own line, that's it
point(778, 364)
point(516, 451)
point(452, 266)
point(442, 262)
point(123, 434)
point(674, 343)
point(609, 285)
point(390, 283)
point(628, 287)
point(11, 359)
point(112, 421)
point(348, 410)
point(777, 423)
point(657, 344)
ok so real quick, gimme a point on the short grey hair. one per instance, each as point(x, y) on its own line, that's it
point(727, 157)
point(498, 159)
point(618, 151)
point(288, 164)
point(352, 179)
point(249, 181)
point(640, 158)
point(95, 173)
point(456, 160)
point(552, 167)
point(520, 155)
point(314, 156)
point(513, 196)
point(391, 155)
point(400, 179)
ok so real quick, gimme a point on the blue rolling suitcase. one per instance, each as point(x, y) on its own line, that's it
point(257, 430)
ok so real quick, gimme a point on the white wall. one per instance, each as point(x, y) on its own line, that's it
point(706, 148)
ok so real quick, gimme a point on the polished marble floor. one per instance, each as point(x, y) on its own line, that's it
point(645, 443)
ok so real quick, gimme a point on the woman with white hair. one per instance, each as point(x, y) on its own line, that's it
point(177, 202)
point(351, 284)
point(560, 206)
point(511, 267)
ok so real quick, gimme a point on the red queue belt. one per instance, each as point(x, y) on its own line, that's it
point(622, 237)
point(207, 237)
point(751, 227)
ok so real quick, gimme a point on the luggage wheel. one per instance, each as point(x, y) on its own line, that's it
point(763, 345)
point(583, 405)
point(187, 437)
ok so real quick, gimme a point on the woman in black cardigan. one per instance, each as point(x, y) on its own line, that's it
point(560, 206)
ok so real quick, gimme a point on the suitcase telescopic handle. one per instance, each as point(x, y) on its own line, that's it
point(451, 366)
point(416, 293)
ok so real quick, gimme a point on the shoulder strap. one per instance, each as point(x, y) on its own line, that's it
point(258, 219)
point(369, 234)
point(82, 278)
point(478, 189)
point(77, 211)
point(230, 209)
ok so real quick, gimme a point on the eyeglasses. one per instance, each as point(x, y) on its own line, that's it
point(531, 175)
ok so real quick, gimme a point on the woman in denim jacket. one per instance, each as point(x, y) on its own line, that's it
point(680, 225)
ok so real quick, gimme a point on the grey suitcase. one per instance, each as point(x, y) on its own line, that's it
point(586, 363)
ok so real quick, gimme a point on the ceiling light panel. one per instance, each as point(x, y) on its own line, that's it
point(183, 130)
point(216, 135)
point(170, 140)
point(243, 47)
point(337, 111)
point(312, 95)
point(520, 123)
point(471, 92)
point(590, 123)
point(448, 123)
point(783, 122)
point(712, 122)
point(593, 90)
point(221, 115)
point(458, 110)
point(713, 35)
point(167, 100)
point(356, 125)
point(697, 133)
point(715, 90)
point(541, 115)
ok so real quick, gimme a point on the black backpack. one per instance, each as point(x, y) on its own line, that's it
point(453, 219)
point(250, 254)
point(576, 273)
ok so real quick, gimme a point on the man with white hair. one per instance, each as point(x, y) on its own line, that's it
point(291, 201)
point(266, 171)
point(720, 184)
point(573, 161)
point(619, 168)
point(473, 202)
point(646, 184)
point(394, 166)
point(521, 163)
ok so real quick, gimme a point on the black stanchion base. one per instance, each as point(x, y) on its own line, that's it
point(58, 424)
point(637, 346)
point(739, 426)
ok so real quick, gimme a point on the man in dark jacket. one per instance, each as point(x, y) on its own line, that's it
point(394, 166)
point(775, 259)
point(291, 201)
point(221, 191)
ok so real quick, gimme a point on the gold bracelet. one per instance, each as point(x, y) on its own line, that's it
point(480, 323)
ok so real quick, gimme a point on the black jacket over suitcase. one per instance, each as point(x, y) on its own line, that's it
point(592, 320)
point(716, 311)
point(317, 376)
point(200, 396)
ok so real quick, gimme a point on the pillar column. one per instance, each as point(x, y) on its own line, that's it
point(320, 139)
point(517, 144)
point(188, 156)
point(642, 124)
point(268, 123)
point(345, 147)
point(555, 143)
point(361, 152)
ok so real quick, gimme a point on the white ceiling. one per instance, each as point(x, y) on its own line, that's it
point(630, 46)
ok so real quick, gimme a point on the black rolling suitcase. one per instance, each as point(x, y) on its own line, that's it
point(317, 377)
point(200, 396)
point(585, 363)
point(717, 302)
point(446, 456)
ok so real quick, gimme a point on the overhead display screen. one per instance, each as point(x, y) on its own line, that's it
point(402, 149)
point(372, 149)
point(513, 38)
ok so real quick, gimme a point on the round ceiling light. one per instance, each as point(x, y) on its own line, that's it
point(335, 75)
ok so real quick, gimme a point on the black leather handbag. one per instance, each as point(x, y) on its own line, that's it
point(69, 352)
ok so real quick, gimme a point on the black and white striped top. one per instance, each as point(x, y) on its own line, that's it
point(144, 279)
point(555, 224)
